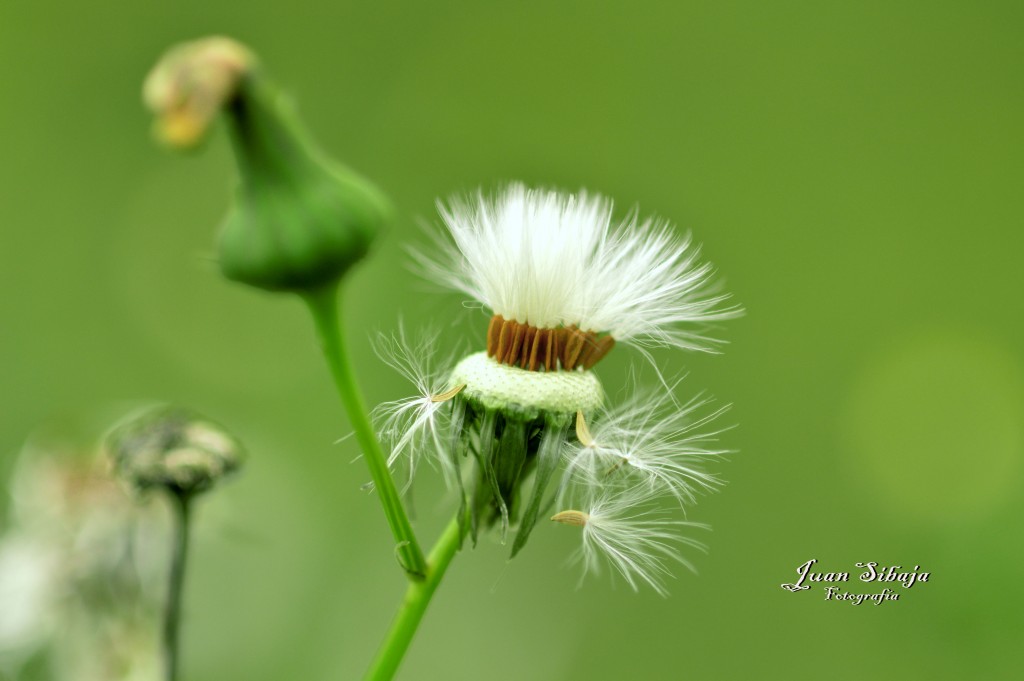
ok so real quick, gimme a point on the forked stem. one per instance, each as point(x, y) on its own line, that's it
point(323, 305)
point(417, 598)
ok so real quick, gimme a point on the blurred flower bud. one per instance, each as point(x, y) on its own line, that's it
point(300, 220)
point(190, 84)
point(173, 448)
point(82, 572)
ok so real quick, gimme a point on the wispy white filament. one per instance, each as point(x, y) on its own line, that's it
point(413, 427)
point(640, 544)
point(650, 440)
point(552, 259)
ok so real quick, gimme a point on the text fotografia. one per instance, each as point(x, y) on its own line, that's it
point(893, 575)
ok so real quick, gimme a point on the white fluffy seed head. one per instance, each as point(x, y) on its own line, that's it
point(551, 259)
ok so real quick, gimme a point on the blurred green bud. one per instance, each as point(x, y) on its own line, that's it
point(189, 86)
point(172, 448)
point(300, 220)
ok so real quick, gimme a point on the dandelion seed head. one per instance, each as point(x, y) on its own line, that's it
point(557, 260)
point(565, 281)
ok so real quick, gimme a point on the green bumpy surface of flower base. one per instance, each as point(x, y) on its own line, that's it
point(509, 389)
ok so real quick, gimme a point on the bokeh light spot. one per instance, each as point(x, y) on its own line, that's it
point(935, 426)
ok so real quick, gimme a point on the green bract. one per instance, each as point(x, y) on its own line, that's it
point(514, 424)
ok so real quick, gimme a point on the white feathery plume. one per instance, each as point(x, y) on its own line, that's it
point(413, 426)
point(645, 280)
point(639, 544)
point(551, 259)
point(647, 439)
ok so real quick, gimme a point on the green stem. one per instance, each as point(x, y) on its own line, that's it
point(176, 581)
point(323, 304)
point(417, 598)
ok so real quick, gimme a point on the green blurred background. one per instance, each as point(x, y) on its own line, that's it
point(853, 169)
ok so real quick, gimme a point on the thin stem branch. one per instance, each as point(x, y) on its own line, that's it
point(182, 503)
point(323, 304)
point(417, 598)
